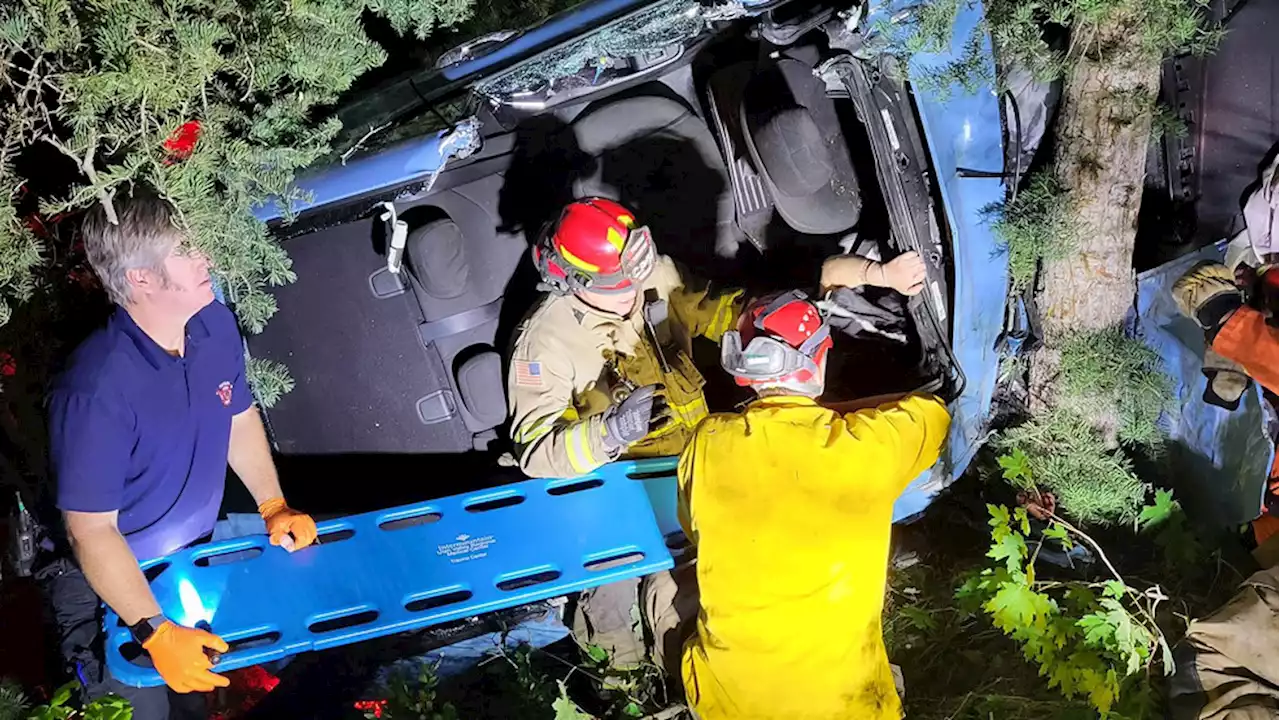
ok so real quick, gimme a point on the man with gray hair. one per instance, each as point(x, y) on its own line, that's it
point(150, 411)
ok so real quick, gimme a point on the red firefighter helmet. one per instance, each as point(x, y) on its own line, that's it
point(781, 340)
point(594, 245)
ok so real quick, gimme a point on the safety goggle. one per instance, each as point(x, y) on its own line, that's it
point(765, 358)
point(639, 255)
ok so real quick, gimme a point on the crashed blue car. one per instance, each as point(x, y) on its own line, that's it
point(412, 256)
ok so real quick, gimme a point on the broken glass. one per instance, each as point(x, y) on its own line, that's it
point(653, 29)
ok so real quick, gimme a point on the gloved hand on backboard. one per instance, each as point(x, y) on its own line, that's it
point(287, 527)
point(179, 655)
point(1226, 381)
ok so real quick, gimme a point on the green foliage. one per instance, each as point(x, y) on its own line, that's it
point(521, 682)
point(13, 701)
point(565, 708)
point(1089, 640)
point(1166, 123)
point(968, 70)
point(269, 380)
point(1110, 375)
point(932, 27)
point(61, 707)
point(920, 619)
point(1102, 29)
point(529, 682)
point(597, 654)
point(630, 692)
point(928, 28)
point(1093, 484)
point(421, 16)
point(1157, 513)
point(1035, 226)
point(1110, 394)
point(107, 83)
point(20, 252)
point(1016, 469)
point(414, 697)
point(1165, 520)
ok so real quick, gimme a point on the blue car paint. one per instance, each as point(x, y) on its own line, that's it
point(557, 525)
point(371, 571)
point(963, 130)
point(414, 160)
point(398, 165)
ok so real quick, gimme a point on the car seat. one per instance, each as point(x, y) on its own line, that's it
point(458, 267)
point(794, 139)
point(657, 157)
point(389, 363)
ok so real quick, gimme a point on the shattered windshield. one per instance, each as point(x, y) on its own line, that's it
point(601, 53)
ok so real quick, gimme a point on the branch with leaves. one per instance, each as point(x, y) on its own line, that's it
point(1095, 640)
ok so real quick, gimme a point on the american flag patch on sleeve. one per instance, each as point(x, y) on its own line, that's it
point(528, 374)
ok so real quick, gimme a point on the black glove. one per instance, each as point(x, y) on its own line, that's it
point(631, 420)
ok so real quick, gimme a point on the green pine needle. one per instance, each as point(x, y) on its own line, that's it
point(1035, 226)
point(1111, 394)
point(1107, 374)
point(269, 380)
point(112, 80)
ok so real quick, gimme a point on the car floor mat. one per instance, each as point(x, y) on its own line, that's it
point(752, 203)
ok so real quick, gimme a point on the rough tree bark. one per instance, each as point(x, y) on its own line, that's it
point(1103, 129)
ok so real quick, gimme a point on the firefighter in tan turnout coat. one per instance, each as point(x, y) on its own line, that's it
point(603, 368)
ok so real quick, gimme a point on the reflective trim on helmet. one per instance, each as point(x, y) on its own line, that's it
point(578, 262)
point(637, 261)
point(615, 238)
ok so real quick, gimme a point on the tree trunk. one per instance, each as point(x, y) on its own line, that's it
point(1103, 130)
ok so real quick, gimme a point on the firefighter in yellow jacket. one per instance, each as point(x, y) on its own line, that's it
point(603, 367)
point(789, 506)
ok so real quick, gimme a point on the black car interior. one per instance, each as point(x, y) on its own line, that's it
point(746, 168)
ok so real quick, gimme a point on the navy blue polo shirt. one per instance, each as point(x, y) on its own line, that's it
point(137, 430)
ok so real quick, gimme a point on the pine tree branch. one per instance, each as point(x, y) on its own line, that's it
point(248, 81)
point(151, 47)
point(105, 195)
point(142, 114)
point(359, 143)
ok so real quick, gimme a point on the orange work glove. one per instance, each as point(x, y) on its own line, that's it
point(179, 656)
point(287, 527)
